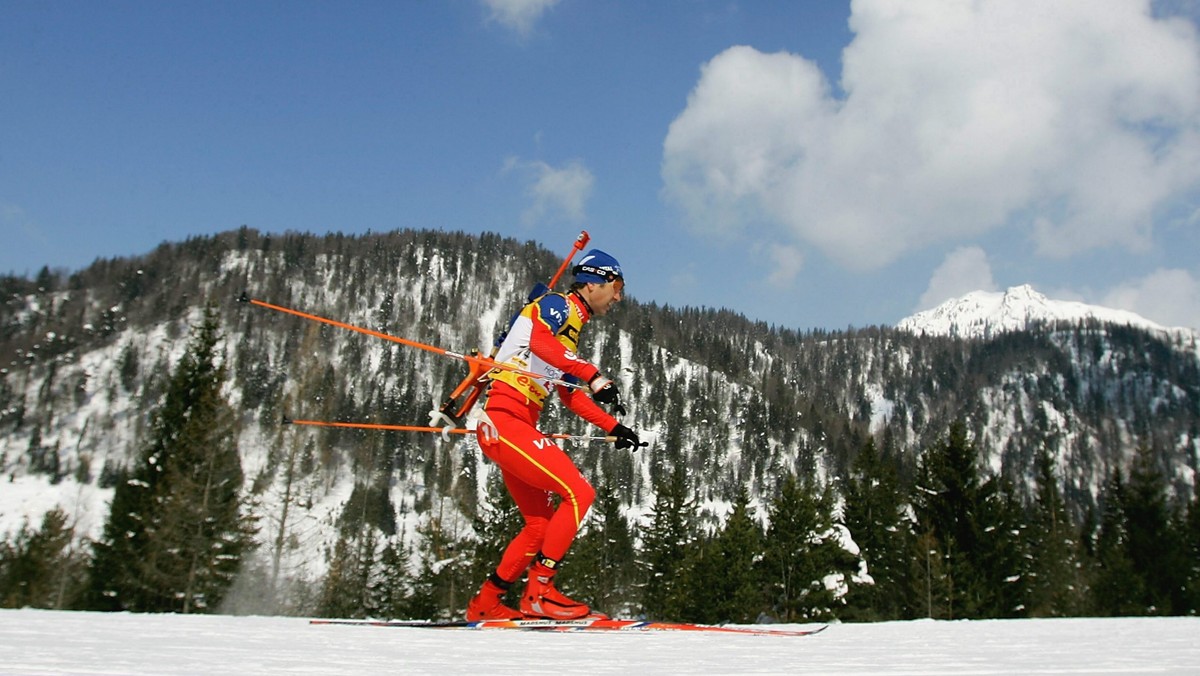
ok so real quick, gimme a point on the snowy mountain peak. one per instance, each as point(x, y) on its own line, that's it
point(980, 314)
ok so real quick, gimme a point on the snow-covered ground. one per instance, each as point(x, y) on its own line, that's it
point(34, 642)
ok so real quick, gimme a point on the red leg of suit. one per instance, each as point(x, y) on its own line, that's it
point(535, 469)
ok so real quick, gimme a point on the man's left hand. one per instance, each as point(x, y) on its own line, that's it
point(604, 391)
point(626, 438)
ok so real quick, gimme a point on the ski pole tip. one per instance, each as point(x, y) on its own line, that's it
point(244, 298)
point(285, 420)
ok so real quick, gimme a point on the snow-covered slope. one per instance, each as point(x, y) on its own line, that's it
point(47, 642)
point(981, 314)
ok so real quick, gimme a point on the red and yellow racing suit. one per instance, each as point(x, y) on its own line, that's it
point(543, 339)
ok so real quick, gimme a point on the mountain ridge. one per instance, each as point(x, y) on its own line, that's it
point(983, 314)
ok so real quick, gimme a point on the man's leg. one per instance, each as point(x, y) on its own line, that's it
point(536, 507)
point(534, 470)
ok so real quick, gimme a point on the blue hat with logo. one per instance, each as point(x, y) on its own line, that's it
point(597, 267)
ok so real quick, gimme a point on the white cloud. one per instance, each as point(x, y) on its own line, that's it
point(556, 193)
point(964, 270)
point(1072, 120)
point(787, 262)
point(1170, 297)
point(518, 16)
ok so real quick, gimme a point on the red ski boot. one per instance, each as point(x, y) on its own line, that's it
point(542, 600)
point(488, 604)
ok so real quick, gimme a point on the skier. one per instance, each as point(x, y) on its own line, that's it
point(544, 338)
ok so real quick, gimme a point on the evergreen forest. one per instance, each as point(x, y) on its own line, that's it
point(861, 474)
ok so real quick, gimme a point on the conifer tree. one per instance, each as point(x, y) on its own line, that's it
point(602, 570)
point(442, 584)
point(947, 501)
point(40, 568)
point(725, 583)
point(801, 552)
point(342, 591)
point(1055, 565)
point(875, 518)
point(1001, 558)
point(1152, 547)
point(1116, 588)
point(666, 546)
point(931, 582)
point(1191, 543)
point(390, 592)
point(177, 530)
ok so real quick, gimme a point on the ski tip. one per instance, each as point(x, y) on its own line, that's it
point(244, 298)
point(285, 420)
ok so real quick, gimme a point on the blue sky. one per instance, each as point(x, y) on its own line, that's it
point(809, 164)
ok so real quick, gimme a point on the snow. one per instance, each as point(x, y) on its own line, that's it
point(882, 408)
point(981, 314)
point(40, 642)
point(26, 499)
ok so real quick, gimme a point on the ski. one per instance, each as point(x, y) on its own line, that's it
point(585, 624)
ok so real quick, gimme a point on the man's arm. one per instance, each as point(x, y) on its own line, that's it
point(583, 406)
point(549, 317)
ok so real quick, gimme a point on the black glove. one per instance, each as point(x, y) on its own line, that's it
point(605, 392)
point(626, 438)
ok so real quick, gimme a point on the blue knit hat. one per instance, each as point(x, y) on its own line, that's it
point(597, 267)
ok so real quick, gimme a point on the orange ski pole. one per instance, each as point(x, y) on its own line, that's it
point(432, 430)
point(470, 359)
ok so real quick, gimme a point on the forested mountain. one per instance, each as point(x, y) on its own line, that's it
point(741, 415)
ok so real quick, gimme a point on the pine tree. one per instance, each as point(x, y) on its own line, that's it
point(1155, 554)
point(40, 568)
point(1191, 541)
point(442, 584)
point(874, 515)
point(931, 584)
point(666, 546)
point(1001, 558)
point(802, 552)
point(725, 583)
point(948, 504)
point(1055, 565)
point(177, 529)
point(1116, 588)
point(740, 545)
point(342, 594)
point(390, 592)
point(602, 568)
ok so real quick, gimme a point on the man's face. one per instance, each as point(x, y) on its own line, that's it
point(603, 296)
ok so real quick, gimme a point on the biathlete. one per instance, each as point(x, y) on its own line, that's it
point(544, 339)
